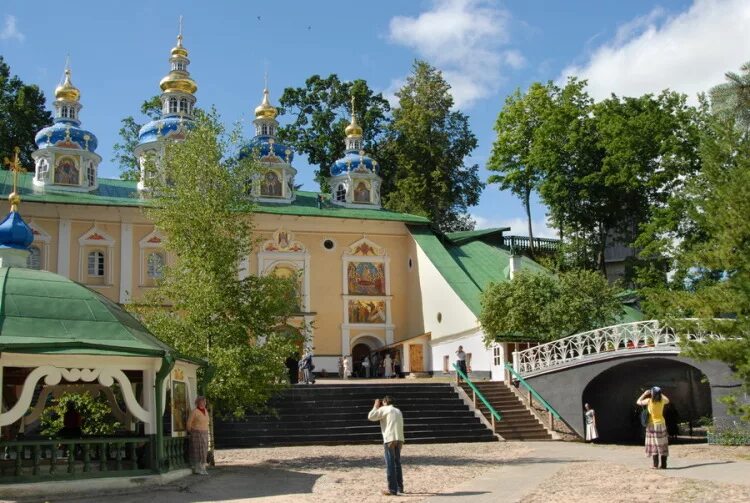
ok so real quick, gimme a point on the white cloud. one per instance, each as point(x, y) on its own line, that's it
point(463, 38)
point(10, 31)
point(518, 226)
point(688, 52)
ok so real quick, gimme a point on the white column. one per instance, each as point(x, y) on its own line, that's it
point(63, 248)
point(126, 262)
point(345, 340)
point(149, 401)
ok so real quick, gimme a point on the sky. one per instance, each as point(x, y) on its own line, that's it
point(485, 48)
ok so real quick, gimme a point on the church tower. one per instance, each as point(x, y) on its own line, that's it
point(275, 181)
point(355, 178)
point(177, 103)
point(65, 158)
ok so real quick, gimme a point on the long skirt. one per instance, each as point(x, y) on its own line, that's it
point(591, 433)
point(198, 446)
point(657, 440)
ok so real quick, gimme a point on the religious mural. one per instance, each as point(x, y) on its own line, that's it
point(366, 278)
point(66, 172)
point(179, 406)
point(270, 185)
point(366, 311)
point(283, 241)
point(286, 272)
point(362, 193)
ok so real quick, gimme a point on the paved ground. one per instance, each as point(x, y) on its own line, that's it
point(529, 472)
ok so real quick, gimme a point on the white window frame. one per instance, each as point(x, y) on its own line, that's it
point(101, 241)
point(42, 240)
point(154, 241)
point(99, 265)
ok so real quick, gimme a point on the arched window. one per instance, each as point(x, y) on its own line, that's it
point(96, 264)
point(64, 112)
point(155, 265)
point(172, 105)
point(91, 173)
point(72, 113)
point(34, 260)
point(341, 192)
point(264, 129)
point(183, 105)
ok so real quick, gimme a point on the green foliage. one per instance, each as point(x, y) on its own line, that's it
point(537, 306)
point(95, 413)
point(429, 142)
point(22, 115)
point(123, 150)
point(202, 208)
point(322, 110)
point(732, 99)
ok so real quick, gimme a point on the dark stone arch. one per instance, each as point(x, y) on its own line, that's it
point(612, 394)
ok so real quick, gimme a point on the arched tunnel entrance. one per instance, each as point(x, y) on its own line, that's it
point(612, 395)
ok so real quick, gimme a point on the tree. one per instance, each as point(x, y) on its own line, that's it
point(710, 268)
point(540, 307)
point(22, 115)
point(123, 150)
point(322, 110)
point(516, 153)
point(429, 143)
point(733, 97)
point(212, 313)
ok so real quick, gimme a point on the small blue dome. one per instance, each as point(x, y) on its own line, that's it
point(66, 134)
point(162, 128)
point(14, 233)
point(261, 146)
point(351, 162)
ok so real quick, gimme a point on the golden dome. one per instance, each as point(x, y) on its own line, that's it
point(265, 110)
point(179, 50)
point(66, 90)
point(353, 129)
point(178, 81)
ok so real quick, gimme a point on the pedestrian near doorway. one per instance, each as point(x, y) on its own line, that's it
point(657, 439)
point(591, 432)
point(392, 427)
point(347, 366)
point(461, 361)
point(366, 367)
point(306, 364)
point(197, 427)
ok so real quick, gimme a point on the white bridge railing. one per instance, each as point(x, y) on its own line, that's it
point(602, 343)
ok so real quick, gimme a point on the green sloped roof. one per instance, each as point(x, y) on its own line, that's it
point(461, 236)
point(42, 312)
point(113, 192)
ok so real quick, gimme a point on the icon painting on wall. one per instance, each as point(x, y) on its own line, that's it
point(366, 278)
point(179, 406)
point(270, 185)
point(366, 311)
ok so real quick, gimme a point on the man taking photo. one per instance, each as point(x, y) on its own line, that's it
point(392, 428)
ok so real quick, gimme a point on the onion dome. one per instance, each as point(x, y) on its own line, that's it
point(265, 110)
point(168, 127)
point(266, 149)
point(353, 129)
point(66, 134)
point(178, 79)
point(67, 91)
point(14, 232)
point(356, 162)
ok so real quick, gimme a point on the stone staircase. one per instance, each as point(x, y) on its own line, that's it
point(517, 423)
point(323, 414)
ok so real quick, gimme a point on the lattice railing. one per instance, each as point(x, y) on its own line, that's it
point(639, 336)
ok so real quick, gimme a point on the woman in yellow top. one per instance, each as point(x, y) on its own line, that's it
point(197, 426)
point(657, 438)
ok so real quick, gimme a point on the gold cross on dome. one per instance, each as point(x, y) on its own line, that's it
point(15, 167)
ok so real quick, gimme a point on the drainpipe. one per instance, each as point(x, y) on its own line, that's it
point(515, 263)
point(167, 364)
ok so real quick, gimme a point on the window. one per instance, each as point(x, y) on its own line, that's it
point(183, 105)
point(155, 265)
point(440, 317)
point(96, 264)
point(172, 105)
point(72, 113)
point(446, 364)
point(497, 355)
point(91, 173)
point(328, 244)
point(264, 129)
point(34, 260)
point(341, 192)
point(64, 112)
point(468, 362)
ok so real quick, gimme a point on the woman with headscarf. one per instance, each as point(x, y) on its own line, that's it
point(657, 438)
point(197, 426)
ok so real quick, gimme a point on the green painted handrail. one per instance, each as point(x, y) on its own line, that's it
point(466, 379)
point(541, 400)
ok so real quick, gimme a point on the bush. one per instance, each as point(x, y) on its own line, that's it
point(96, 415)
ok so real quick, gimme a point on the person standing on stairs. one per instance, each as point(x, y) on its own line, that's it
point(392, 428)
point(657, 439)
point(591, 431)
point(461, 360)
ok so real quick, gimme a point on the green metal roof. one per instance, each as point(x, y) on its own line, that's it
point(114, 192)
point(42, 312)
point(460, 236)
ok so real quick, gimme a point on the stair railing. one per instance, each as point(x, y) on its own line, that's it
point(553, 414)
point(475, 393)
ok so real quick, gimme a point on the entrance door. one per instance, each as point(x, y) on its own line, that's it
point(416, 358)
point(359, 351)
point(498, 362)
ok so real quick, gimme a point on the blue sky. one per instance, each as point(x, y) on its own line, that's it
point(119, 52)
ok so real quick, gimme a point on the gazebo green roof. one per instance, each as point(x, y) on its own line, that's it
point(43, 312)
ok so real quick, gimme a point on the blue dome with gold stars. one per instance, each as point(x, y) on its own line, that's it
point(168, 127)
point(267, 150)
point(353, 161)
point(66, 134)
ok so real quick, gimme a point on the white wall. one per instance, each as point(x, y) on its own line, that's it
point(481, 357)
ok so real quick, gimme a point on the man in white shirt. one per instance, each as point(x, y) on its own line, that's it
point(392, 428)
point(461, 360)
